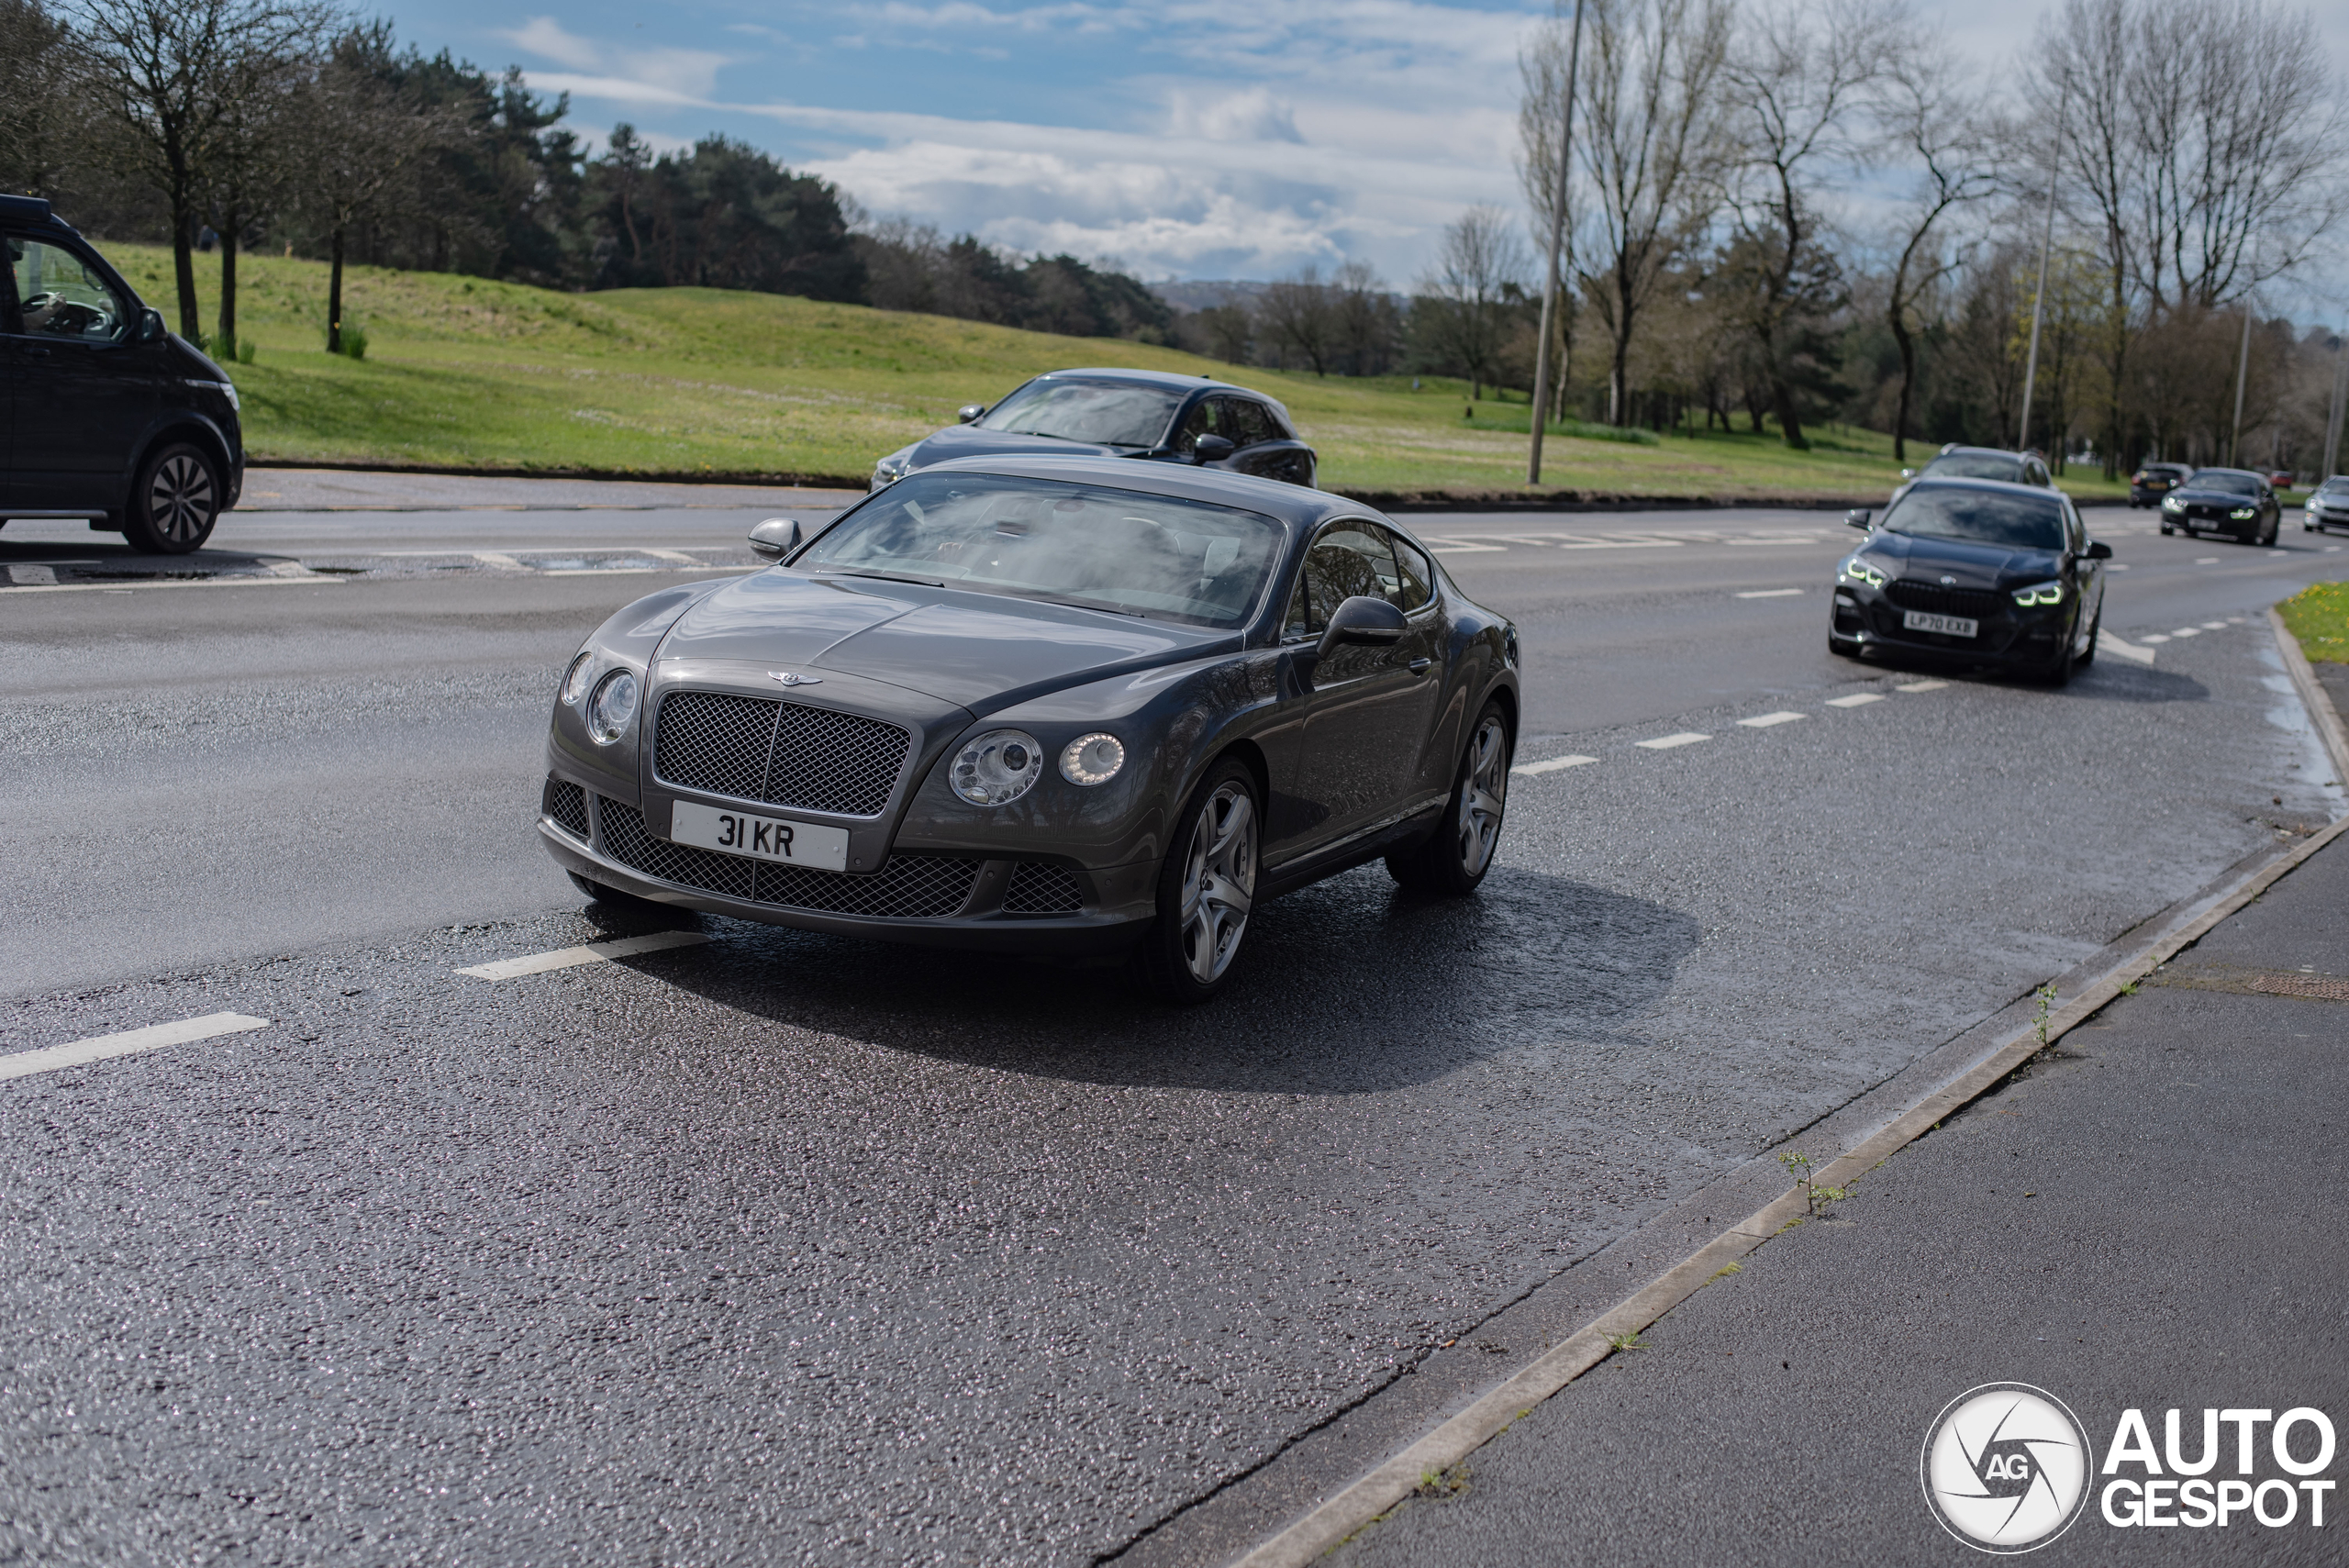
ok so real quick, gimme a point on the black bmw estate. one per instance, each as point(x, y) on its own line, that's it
point(112, 418)
point(1992, 573)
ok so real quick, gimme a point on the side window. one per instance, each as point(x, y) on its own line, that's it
point(59, 295)
point(1349, 559)
point(1253, 422)
point(2074, 528)
point(1206, 419)
point(1419, 578)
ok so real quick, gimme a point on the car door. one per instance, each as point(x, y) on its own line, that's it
point(2088, 576)
point(1360, 729)
point(83, 392)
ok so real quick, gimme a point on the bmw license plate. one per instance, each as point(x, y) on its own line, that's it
point(760, 838)
point(1948, 625)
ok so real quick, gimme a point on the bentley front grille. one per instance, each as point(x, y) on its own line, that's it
point(784, 753)
point(567, 804)
point(1038, 888)
point(1974, 603)
point(907, 887)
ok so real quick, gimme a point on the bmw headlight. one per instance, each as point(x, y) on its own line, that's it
point(2243, 514)
point(996, 768)
point(891, 469)
point(2039, 593)
point(574, 680)
point(1092, 759)
point(1860, 569)
point(2173, 504)
point(613, 708)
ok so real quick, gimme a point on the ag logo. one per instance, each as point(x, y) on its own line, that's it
point(2006, 1467)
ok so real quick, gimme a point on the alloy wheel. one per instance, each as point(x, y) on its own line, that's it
point(1485, 795)
point(180, 500)
point(1220, 881)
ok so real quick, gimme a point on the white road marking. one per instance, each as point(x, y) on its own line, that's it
point(1449, 546)
point(1551, 765)
point(1857, 700)
point(2187, 631)
point(1921, 687)
point(2153, 637)
point(98, 1047)
point(1764, 720)
point(593, 952)
point(143, 586)
point(1601, 541)
point(1801, 539)
point(2214, 626)
point(1768, 592)
point(494, 558)
point(30, 574)
point(2206, 560)
point(671, 555)
point(1666, 742)
point(2112, 643)
point(2118, 566)
point(2332, 549)
point(636, 570)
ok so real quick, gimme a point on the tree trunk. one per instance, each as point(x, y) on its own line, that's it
point(1782, 398)
point(1901, 336)
point(184, 267)
point(226, 350)
point(334, 294)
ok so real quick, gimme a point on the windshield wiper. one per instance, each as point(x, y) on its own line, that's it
point(884, 576)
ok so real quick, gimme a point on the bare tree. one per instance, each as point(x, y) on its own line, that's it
point(1797, 78)
point(1300, 313)
point(39, 100)
point(255, 167)
point(1479, 273)
point(174, 74)
point(363, 145)
point(1651, 120)
point(1366, 323)
point(1934, 125)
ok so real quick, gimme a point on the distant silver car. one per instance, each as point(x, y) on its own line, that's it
point(1056, 706)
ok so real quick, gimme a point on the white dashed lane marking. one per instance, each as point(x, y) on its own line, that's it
point(1768, 592)
point(494, 558)
point(2214, 626)
point(1551, 765)
point(1666, 742)
point(99, 1047)
point(2187, 631)
point(1921, 687)
point(2206, 560)
point(2110, 643)
point(593, 952)
point(1764, 720)
point(1856, 699)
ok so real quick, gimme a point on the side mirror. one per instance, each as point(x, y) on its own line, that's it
point(2098, 550)
point(1363, 621)
point(968, 412)
point(1858, 516)
point(775, 537)
point(1212, 448)
point(151, 325)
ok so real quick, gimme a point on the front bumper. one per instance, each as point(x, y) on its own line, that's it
point(2009, 636)
point(1116, 902)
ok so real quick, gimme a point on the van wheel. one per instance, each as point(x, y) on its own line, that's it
point(175, 501)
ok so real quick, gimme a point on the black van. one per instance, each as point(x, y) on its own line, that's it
point(108, 416)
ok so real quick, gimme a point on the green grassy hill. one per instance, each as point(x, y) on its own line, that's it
point(470, 373)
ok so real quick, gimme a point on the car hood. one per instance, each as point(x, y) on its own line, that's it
point(969, 440)
point(978, 651)
point(2208, 497)
point(1974, 565)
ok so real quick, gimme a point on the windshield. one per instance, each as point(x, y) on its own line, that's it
point(1073, 544)
point(1980, 517)
point(2219, 479)
point(1973, 465)
point(2333, 487)
point(1109, 413)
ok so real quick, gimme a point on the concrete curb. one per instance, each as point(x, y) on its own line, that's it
point(1363, 1500)
point(2313, 696)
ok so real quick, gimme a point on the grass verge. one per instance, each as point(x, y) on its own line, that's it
point(2317, 616)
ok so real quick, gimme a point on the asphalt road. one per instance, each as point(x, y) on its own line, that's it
point(783, 1248)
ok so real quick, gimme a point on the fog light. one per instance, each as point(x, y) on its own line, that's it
point(996, 768)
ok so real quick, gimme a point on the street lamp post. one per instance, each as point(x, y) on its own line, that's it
point(2046, 243)
point(2332, 423)
point(2243, 371)
point(1551, 303)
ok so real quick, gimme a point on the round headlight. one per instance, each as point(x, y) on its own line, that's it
point(1092, 759)
point(611, 708)
point(996, 768)
point(574, 680)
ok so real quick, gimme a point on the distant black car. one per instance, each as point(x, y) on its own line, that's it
point(2155, 480)
point(114, 418)
point(1986, 571)
point(2232, 501)
point(1954, 461)
point(1121, 413)
point(2328, 506)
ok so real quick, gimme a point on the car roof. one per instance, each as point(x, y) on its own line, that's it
point(1168, 379)
point(1997, 487)
point(1953, 450)
point(1247, 492)
point(2239, 472)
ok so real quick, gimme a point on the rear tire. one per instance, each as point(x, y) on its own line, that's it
point(174, 503)
point(1206, 892)
point(1455, 857)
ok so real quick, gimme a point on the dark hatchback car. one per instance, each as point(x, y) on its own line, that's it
point(2155, 480)
point(1063, 707)
point(1126, 413)
point(1992, 573)
point(2231, 501)
point(109, 415)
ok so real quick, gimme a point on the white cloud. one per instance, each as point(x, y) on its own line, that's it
point(689, 73)
point(1251, 115)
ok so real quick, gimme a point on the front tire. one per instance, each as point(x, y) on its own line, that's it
point(1460, 852)
point(175, 501)
point(1206, 891)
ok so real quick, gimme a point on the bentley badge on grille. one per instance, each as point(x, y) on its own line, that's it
point(790, 678)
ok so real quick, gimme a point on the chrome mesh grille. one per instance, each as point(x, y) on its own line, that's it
point(813, 759)
point(907, 887)
point(567, 804)
point(1038, 888)
point(1974, 603)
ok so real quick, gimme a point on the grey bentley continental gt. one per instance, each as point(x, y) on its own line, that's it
point(1055, 706)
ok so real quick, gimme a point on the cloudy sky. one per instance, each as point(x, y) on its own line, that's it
point(1192, 139)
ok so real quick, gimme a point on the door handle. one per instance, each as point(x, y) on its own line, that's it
point(1418, 666)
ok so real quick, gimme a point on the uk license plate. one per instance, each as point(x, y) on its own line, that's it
point(1948, 625)
point(808, 844)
